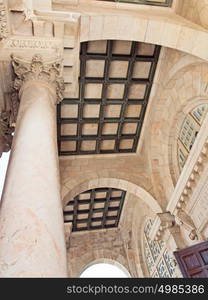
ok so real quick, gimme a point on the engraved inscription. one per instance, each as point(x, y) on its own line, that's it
point(32, 44)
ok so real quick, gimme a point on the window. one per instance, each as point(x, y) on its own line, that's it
point(159, 262)
point(189, 131)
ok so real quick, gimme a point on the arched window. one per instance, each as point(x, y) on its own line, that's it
point(189, 131)
point(159, 262)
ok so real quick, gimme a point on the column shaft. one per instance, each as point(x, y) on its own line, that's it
point(32, 242)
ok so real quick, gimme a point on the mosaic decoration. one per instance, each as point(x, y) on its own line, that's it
point(159, 262)
point(189, 131)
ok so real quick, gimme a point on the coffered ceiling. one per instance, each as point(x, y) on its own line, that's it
point(95, 209)
point(114, 88)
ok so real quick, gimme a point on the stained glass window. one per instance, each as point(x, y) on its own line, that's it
point(159, 261)
point(189, 131)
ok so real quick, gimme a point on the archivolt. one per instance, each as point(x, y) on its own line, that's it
point(114, 183)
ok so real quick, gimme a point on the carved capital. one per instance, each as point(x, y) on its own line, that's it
point(38, 70)
point(3, 22)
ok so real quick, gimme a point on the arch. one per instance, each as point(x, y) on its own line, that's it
point(175, 130)
point(170, 31)
point(174, 96)
point(106, 261)
point(114, 183)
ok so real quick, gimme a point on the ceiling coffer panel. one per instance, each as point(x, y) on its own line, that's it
point(114, 87)
point(95, 209)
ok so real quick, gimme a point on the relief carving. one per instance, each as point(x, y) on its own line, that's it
point(3, 22)
point(5, 132)
point(8, 117)
point(32, 44)
point(38, 70)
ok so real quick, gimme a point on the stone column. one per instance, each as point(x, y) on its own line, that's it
point(32, 242)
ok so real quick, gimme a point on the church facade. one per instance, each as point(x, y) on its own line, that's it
point(103, 107)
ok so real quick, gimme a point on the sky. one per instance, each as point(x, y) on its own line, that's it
point(103, 270)
point(100, 270)
point(3, 167)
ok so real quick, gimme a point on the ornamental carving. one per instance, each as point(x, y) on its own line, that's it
point(8, 119)
point(38, 70)
point(5, 132)
point(167, 221)
point(3, 22)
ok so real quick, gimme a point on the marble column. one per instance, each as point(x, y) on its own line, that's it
point(32, 241)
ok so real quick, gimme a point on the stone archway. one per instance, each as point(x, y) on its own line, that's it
point(98, 256)
point(174, 97)
point(125, 185)
point(169, 31)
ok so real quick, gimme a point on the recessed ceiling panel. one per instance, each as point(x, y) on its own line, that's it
point(95, 209)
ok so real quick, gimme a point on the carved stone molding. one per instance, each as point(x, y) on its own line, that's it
point(165, 222)
point(194, 177)
point(191, 173)
point(3, 22)
point(185, 220)
point(162, 222)
point(5, 132)
point(38, 70)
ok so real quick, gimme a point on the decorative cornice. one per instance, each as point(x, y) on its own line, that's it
point(185, 220)
point(166, 222)
point(3, 22)
point(38, 70)
point(8, 118)
point(162, 222)
point(191, 173)
point(193, 179)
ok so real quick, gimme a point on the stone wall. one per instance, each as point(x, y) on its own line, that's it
point(87, 247)
point(195, 11)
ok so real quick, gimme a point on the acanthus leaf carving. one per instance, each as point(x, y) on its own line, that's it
point(8, 117)
point(3, 22)
point(38, 70)
point(5, 132)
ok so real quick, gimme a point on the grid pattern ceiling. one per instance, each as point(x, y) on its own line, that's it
point(95, 209)
point(145, 2)
point(115, 83)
